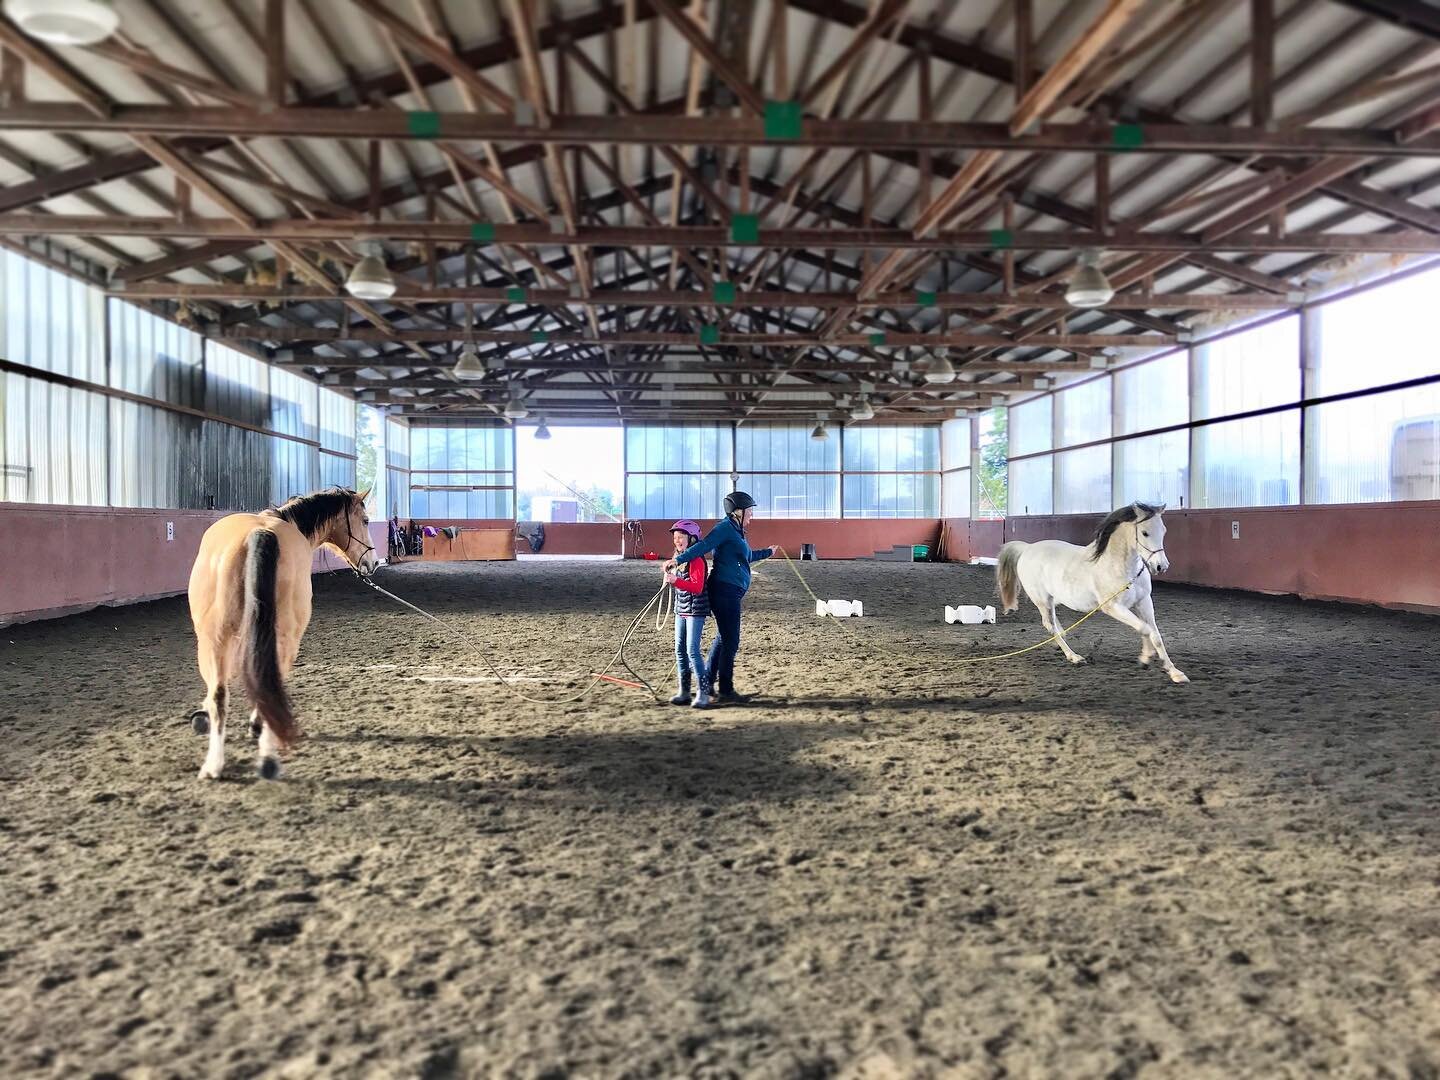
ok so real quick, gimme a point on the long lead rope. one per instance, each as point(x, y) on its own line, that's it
point(963, 660)
point(596, 678)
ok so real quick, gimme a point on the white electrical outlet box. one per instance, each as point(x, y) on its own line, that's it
point(1234, 530)
point(169, 530)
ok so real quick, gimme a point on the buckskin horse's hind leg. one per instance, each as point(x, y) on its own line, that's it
point(215, 668)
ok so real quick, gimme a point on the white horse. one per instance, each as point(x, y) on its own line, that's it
point(1128, 547)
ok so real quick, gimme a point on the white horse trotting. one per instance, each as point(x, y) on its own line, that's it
point(1128, 547)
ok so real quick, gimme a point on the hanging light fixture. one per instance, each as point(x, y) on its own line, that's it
point(819, 433)
point(371, 279)
point(65, 22)
point(542, 432)
point(863, 410)
point(1089, 287)
point(515, 408)
point(469, 365)
point(941, 370)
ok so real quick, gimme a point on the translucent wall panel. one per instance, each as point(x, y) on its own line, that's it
point(54, 443)
point(1254, 369)
point(891, 495)
point(154, 357)
point(462, 471)
point(955, 444)
point(678, 448)
point(784, 448)
point(1082, 481)
point(1082, 413)
point(1030, 486)
point(955, 493)
point(1384, 448)
point(793, 495)
point(1252, 462)
point(1381, 336)
point(905, 448)
point(1032, 426)
point(50, 321)
point(337, 421)
point(397, 467)
point(654, 495)
point(683, 470)
point(1152, 395)
point(236, 385)
point(1154, 469)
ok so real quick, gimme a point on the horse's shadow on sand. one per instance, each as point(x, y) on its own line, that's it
point(762, 762)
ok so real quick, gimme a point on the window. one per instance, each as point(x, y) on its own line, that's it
point(397, 468)
point(891, 472)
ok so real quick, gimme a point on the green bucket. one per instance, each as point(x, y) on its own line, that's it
point(920, 552)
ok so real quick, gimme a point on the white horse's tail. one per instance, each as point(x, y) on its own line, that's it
point(1007, 575)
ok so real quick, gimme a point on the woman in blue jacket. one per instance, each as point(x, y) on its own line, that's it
point(729, 582)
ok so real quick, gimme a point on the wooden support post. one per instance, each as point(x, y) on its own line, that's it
point(780, 54)
point(182, 200)
point(1262, 63)
point(275, 52)
point(12, 78)
point(373, 176)
point(1024, 59)
point(1007, 217)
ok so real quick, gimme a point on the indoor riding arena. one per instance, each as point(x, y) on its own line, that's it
point(719, 538)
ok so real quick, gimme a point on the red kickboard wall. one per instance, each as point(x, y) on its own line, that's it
point(833, 538)
point(1385, 554)
point(62, 559)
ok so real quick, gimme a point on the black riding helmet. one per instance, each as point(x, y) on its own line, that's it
point(738, 500)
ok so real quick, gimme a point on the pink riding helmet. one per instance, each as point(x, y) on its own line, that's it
point(686, 526)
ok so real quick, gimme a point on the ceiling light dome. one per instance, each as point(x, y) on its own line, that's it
point(370, 280)
point(65, 22)
point(515, 408)
point(819, 433)
point(468, 366)
point(863, 410)
point(941, 370)
point(1089, 287)
point(542, 432)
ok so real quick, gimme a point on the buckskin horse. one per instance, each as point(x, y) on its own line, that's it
point(250, 600)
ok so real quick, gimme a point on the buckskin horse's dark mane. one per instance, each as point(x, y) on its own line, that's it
point(1134, 512)
point(311, 513)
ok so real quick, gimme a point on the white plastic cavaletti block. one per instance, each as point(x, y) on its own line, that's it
point(969, 613)
point(840, 609)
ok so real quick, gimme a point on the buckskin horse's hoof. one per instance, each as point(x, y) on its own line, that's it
point(269, 768)
point(200, 722)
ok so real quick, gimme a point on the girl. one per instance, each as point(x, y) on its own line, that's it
point(692, 604)
point(729, 583)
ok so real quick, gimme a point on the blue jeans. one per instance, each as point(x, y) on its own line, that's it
point(688, 656)
point(725, 602)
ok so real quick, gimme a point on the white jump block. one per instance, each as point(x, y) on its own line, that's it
point(969, 613)
point(840, 609)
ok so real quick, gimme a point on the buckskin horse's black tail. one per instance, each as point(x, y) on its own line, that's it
point(262, 662)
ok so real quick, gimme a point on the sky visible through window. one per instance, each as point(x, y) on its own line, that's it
point(583, 466)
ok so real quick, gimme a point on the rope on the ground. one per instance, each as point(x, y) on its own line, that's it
point(963, 660)
point(596, 677)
